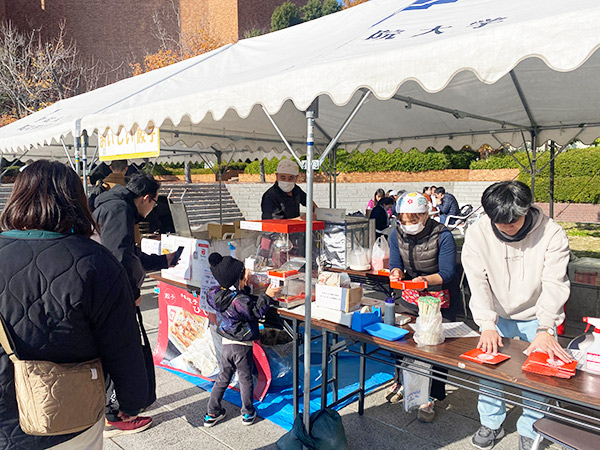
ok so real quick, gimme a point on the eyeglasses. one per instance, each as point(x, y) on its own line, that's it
point(155, 202)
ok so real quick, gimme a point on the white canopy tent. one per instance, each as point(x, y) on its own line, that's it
point(458, 71)
point(386, 73)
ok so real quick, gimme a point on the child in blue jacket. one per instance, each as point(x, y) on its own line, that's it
point(237, 323)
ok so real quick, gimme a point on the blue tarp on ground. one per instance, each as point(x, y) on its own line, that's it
point(278, 406)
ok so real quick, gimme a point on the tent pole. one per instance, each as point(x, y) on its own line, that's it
point(9, 167)
point(533, 162)
point(188, 171)
point(335, 174)
point(220, 173)
point(67, 153)
point(330, 172)
point(84, 168)
point(349, 119)
point(76, 141)
point(551, 187)
point(280, 133)
point(311, 113)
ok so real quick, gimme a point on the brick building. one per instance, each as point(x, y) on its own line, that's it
point(118, 32)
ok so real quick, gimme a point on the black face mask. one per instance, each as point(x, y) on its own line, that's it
point(530, 220)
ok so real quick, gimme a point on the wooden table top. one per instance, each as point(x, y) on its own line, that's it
point(583, 389)
point(363, 273)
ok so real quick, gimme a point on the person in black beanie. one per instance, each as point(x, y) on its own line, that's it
point(237, 323)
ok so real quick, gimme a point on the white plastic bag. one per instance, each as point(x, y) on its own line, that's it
point(429, 329)
point(360, 258)
point(416, 387)
point(380, 256)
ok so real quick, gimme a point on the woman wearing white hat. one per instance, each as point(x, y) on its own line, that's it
point(283, 199)
point(422, 249)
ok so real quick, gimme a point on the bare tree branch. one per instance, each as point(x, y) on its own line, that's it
point(35, 74)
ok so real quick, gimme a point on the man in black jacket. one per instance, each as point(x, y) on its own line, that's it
point(116, 212)
point(283, 199)
point(446, 204)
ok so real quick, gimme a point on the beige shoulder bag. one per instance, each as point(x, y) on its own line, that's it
point(56, 399)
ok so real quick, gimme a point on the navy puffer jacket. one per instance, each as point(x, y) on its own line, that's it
point(65, 298)
point(238, 313)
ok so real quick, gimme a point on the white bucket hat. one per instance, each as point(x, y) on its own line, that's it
point(412, 202)
point(288, 167)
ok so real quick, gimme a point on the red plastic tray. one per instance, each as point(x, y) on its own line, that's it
point(408, 285)
point(280, 225)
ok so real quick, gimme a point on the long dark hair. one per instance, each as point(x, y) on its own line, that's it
point(49, 196)
point(378, 192)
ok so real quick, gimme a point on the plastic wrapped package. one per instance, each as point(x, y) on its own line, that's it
point(340, 239)
point(380, 256)
point(278, 347)
point(429, 322)
point(278, 241)
point(258, 282)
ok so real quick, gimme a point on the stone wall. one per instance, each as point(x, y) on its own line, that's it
point(351, 196)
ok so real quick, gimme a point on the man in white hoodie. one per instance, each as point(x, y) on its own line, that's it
point(516, 261)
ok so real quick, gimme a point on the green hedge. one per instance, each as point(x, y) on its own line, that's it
point(576, 176)
point(270, 166)
point(574, 172)
point(567, 189)
point(196, 168)
point(501, 161)
point(382, 161)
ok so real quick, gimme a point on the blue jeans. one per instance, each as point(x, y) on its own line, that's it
point(492, 411)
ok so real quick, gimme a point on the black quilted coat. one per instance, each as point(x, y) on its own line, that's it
point(65, 298)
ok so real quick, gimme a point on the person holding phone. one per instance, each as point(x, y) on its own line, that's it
point(117, 212)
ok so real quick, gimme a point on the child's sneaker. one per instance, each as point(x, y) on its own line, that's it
point(395, 393)
point(248, 419)
point(210, 420)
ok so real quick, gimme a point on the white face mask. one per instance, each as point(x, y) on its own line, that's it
point(286, 186)
point(412, 229)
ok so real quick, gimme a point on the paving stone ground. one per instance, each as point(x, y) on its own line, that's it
point(181, 405)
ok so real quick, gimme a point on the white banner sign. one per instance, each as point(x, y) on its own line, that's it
point(128, 146)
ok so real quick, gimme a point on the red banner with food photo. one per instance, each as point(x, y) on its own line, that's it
point(188, 343)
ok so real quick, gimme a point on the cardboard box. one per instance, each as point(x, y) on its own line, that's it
point(340, 299)
point(331, 215)
point(151, 246)
point(343, 318)
point(216, 230)
point(240, 233)
point(193, 266)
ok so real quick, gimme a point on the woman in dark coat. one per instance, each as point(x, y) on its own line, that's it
point(64, 299)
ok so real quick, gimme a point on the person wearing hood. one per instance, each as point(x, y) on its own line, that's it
point(422, 249)
point(283, 199)
point(515, 260)
point(238, 313)
point(116, 213)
